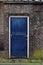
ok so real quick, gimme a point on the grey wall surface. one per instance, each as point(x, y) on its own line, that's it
point(35, 14)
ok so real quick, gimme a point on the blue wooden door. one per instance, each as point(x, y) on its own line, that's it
point(18, 26)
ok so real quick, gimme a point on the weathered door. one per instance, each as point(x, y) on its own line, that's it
point(18, 36)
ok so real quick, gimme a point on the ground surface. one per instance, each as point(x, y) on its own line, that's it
point(22, 64)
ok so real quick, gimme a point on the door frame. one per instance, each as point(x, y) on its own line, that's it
point(27, 35)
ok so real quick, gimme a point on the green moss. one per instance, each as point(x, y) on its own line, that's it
point(38, 54)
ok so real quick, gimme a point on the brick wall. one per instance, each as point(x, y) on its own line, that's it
point(35, 13)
